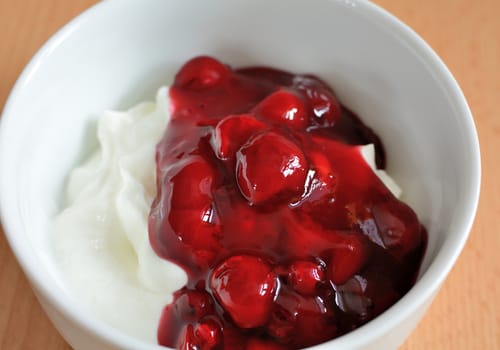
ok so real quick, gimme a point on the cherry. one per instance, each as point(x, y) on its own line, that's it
point(325, 106)
point(189, 305)
point(188, 341)
point(201, 72)
point(346, 258)
point(192, 304)
point(208, 334)
point(398, 227)
point(304, 276)
point(245, 286)
point(199, 230)
point(232, 132)
point(192, 182)
point(351, 297)
point(205, 335)
point(322, 186)
point(284, 107)
point(192, 214)
point(300, 321)
point(270, 166)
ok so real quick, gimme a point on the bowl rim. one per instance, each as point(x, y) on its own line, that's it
point(422, 291)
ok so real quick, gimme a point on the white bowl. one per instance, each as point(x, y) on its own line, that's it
point(119, 52)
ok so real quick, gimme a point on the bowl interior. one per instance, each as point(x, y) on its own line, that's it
point(120, 52)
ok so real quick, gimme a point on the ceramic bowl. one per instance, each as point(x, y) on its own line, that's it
point(120, 51)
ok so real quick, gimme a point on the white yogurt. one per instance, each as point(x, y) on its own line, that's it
point(101, 239)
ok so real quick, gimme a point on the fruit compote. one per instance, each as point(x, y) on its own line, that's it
point(287, 235)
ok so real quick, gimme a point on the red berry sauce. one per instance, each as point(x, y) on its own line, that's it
point(287, 236)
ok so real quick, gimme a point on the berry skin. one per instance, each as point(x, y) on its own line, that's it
point(232, 132)
point(200, 231)
point(284, 107)
point(304, 276)
point(205, 335)
point(192, 214)
point(202, 72)
point(209, 335)
point(398, 227)
point(188, 341)
point(299, 321)
point(193, 305)
point(192, 183)
point(245, 287)
point(346, 258)
point(188, 306)
point(322, 101)
point(269, 166)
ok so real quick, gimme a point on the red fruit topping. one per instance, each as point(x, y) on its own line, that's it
point(258, 344)
point(346, 258)
point(208, 334)
point(200, 230)
point(270, 166)
point(202, 336)
point(398, 227)
point(245, 286)
point(192, 215)
point(287, 236)
point(300, 321)
point(188, 342)
point(201, 73)
point(232, 132)
point(192, 183)
point(304, 276)
point(194, 304)
point(188, 306)
point(322, 100)
point(283, 106)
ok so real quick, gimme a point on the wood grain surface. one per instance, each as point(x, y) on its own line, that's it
point(466, 34)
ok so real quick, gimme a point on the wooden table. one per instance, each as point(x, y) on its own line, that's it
point(466, 34)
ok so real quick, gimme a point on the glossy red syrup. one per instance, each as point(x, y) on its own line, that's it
point(287, 236)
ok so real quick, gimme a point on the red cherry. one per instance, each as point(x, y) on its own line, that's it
point(200, 230)
point(351, 297)
point(202, 336)
point(188, 340)
point(283, 106)
point(192, 182)
point(322, 186)
point(346, 258)
point(398, 227)
point(201, 72)
point(189, 306)
point(300, 321)
point(192, 305)
point(325, 106)
point(245, 286)
point(304, 276)
point(232, 132)
point(269, 166)
point(192, 215)
point(209, 335)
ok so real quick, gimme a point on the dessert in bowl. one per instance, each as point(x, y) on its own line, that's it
point(407, 97)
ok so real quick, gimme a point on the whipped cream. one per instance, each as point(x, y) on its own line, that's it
point(100, 239)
